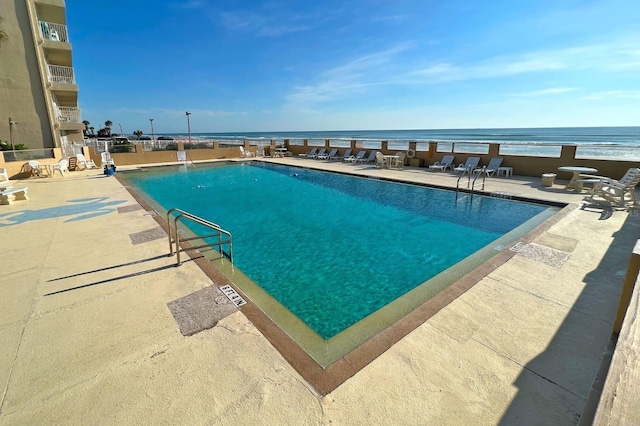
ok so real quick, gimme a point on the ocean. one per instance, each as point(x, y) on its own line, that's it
point(600, 142)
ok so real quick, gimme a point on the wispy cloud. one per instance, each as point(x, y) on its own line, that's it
point(613, 94)
point(606, 57)
point(543, 92)
point(353, 76)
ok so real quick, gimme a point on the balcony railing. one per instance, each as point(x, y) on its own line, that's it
point(60, 74)
point(69, 115)
point(55, 32)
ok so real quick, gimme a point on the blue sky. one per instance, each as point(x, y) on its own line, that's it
point(352, 65)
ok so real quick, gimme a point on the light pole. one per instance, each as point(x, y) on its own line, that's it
point(153, 135)
point(121, 132)
point(11, 124)
point(189, 127)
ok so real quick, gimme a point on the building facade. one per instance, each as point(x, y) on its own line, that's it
point(38, 90)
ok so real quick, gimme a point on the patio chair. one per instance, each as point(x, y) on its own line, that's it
point(616, 192)
point(444, 164)
point(309, 154)
point(381, 162)
point(87, 164)
point(371, 158)
point(469, 166)
point(346, 154)
point(398, 162)
point(61, 166)
point(492, 167)
point(326, 156)
point(73, 163)
point(4, 176)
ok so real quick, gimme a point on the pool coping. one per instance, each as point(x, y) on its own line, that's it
point(325, 380)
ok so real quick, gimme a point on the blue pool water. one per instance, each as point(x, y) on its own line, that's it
point(334, 248)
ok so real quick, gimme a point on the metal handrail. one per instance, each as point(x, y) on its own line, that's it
point(467, 170)
point(174, 236)
point(482, 172)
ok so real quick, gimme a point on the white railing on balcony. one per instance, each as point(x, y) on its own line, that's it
point(60, 74)
point(55, 32)
point(69, 115)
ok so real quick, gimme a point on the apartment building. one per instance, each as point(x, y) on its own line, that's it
point(38, 89)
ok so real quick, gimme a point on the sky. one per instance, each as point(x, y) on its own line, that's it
point(355, 64)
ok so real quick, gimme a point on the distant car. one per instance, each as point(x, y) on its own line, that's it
point(165, 138)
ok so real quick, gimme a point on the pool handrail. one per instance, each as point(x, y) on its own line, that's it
point(174, 236)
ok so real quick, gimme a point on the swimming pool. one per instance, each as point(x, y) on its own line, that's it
point(332, 258)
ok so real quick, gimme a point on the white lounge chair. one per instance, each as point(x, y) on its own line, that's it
point(616, 192)
point(4, 176)
point(469, 166)
point(321, 152)
point(243, 153)
point(87, 164)
point(309, 154)
point(354, 158)
point(346, 154)
point(326, 156)
point(18, 194)
point(107, 160)
point(371, 158)
point(492, 167)
point(444, 164)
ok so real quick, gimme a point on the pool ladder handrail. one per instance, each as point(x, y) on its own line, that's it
point(469, 170)
point(174, 235)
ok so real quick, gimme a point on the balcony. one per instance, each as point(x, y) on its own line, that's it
point(60, 74)
point(69, 118)
point(53, 32)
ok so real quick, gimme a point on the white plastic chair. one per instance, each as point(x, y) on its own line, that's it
point(87, 164)
point(3, 174)
point(62, 166)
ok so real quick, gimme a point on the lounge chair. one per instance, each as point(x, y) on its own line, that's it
point(61, 166)
point(309, 154)
point(469, 166)
point(87, 164)
point(107, 160)
point(381, 162)
point(243, 153)
point(616, 192)
point(326, 156)
point(18, 194)
point(4, 176)
point(354, 158)
point(492, 167)
point(444, 164)
point(371, 158)
point(321, 152)
point(346, 154)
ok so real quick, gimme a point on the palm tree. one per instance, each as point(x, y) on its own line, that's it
point(138, 133)
point(108, 125)
point(92, 129)
point(3, 35)
point(86, 127)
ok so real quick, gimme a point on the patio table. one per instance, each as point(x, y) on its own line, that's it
point(576, 173)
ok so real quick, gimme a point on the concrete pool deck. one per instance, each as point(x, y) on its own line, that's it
point(86, 336)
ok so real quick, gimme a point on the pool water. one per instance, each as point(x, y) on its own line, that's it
point(333, 248)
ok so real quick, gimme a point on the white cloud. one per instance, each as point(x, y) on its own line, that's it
point(543, 92)
point(613, 94)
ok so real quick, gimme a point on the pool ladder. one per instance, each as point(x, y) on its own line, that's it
point(223, 236)
point(469, 171)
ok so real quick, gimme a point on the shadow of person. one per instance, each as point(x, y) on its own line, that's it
point(83, 208)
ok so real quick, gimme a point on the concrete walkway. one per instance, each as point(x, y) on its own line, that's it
point(86, 336)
